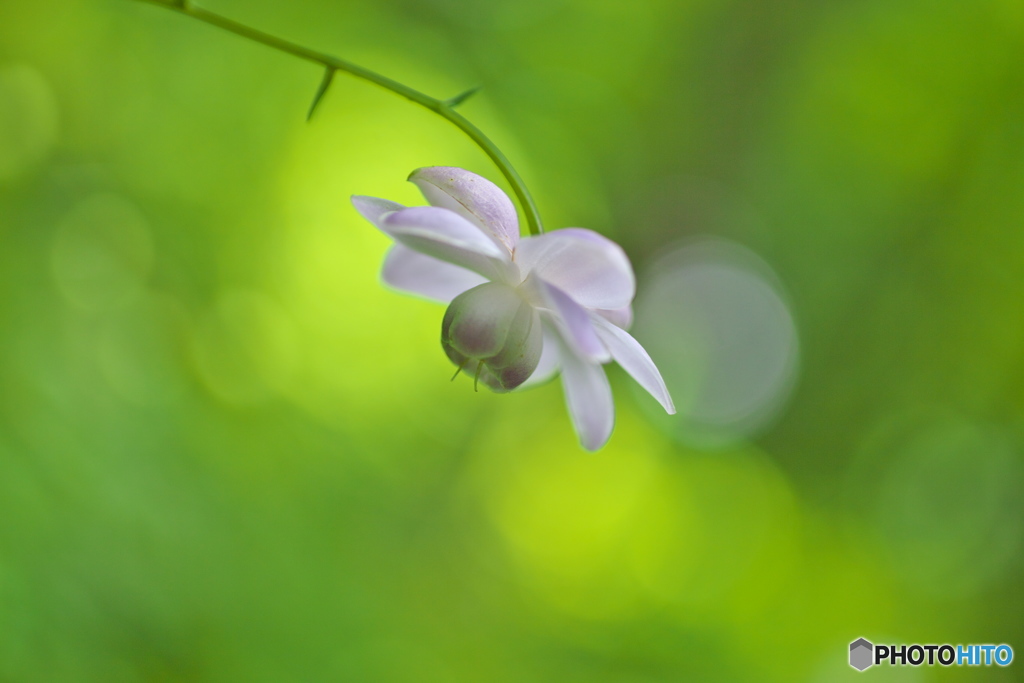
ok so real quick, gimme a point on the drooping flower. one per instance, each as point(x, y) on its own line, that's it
point(520, 310)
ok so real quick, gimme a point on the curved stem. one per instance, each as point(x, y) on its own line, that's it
point(330, 63)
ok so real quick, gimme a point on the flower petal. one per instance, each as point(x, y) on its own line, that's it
point(628, 353)
point(426, 276)
point(573, 322)
point(473, 197)
point(621, 317)
point(447, 236)
point(373, 208)
point(590, 268)
point(589, 399)
point(550, 360)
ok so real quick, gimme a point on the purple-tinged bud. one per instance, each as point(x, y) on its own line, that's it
point(492, 332)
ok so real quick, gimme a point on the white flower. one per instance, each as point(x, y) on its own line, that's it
point(520, 309)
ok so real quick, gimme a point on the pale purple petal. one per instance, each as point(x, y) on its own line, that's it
point(590, 268)
point(628, 353)
point(473, 197)
point(589, 399)
point(550, 360)
point(447, 236)
point(574, 323)
point(373, 208)
point(426, 276)
point(622, 317)
point(442, 224)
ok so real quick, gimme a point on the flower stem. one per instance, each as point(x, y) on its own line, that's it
point(443, 108)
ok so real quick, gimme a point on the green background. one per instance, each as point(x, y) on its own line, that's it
point(228, 454)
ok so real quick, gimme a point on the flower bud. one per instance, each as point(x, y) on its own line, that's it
point(494, 333)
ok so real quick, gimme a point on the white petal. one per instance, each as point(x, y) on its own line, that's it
point(550, 360)
point(621, 317)
point(628, 353)
point(473, 197)
point(373, 208)
point(447, 236)
point(426, 276)
point(589, 399)
point(442, 224)
point(573, 322)
point(590, 268)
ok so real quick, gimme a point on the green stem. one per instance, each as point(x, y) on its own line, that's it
point(330, 63)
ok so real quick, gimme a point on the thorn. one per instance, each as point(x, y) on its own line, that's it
point(461, 97)
point(321, 91)
point(476, 378)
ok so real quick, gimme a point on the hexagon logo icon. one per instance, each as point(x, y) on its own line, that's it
point(861, 654)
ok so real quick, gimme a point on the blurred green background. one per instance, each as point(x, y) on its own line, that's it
point(228, 454)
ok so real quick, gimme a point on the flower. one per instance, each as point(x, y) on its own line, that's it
point(520, 309)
